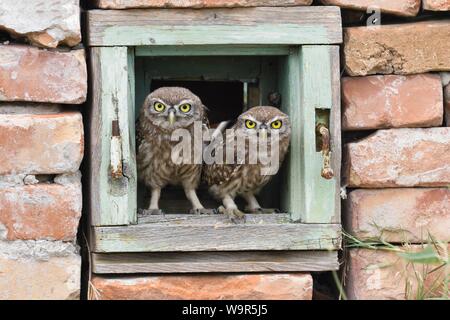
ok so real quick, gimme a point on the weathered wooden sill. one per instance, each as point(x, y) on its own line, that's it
point(182, 232)
point(202, 262)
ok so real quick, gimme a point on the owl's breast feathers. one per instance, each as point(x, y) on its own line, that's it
point(240, 177)
point(154, 159)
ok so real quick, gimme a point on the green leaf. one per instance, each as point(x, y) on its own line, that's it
point(426, 256)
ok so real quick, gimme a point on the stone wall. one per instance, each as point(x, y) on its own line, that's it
point(43, 80)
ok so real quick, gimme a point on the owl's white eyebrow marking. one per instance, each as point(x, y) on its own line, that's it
point(159, 100)
point(183, 102)
point(274, 119)
point(251, 118)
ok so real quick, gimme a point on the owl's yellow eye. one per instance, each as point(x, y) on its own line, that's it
point(276, 124)
point(158, 106)
point(250, 124)
point(185, 107)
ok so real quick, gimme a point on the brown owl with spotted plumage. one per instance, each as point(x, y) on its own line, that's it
point(164, 111)
point(246, 178)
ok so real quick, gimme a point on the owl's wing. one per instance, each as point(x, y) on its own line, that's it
point(205, 119)
point(139, 134)
point(219, 173)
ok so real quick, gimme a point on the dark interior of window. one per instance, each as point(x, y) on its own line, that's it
point(225, 100)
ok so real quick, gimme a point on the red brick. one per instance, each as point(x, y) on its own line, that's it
point(397, 7)
point(436, 5)
point(399, 215)
point(447, 105)
point(383, 275)
point(204, 287)
point(31, 270)
point(399, 158)
point(32, 74)
point(42, 211)
point(377, 102)
point(41, 143)
point(408, 48)
point(44, 23)
point(123, 4)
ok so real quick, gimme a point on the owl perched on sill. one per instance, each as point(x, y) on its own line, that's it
point(165, 110)
point(245, 178)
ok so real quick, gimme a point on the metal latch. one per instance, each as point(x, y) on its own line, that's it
point(324, 132)
point(116, 151)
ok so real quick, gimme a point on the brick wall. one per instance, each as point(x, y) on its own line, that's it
point(396, 159)
point(396, 106)
point(397, 153)
point(43, 79)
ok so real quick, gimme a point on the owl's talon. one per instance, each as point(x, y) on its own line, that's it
point(235, 215)
point(202, 211)
point(262, 210)
point(150, 212)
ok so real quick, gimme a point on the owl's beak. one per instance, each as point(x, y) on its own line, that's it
point(263, 133)
point(171, 117)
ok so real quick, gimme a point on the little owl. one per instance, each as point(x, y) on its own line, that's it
point(165, 110)
point(245, 178)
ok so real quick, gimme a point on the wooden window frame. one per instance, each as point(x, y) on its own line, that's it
point(309, 236)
